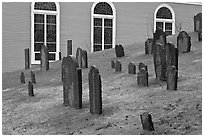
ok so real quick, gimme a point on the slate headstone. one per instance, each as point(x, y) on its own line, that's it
point(84, 59)
point(148, 46)
point(44, 63)
point(119, 50)
point(112, 64)
point(172, 77)
point(27, 59)
point(159, 54)
point(172, 55)
point(72, 83)
point(146, 120)
point(198, 22)
point(131, 68)
point(22, 77)
point(69, 47)
point(118, 66)
point(142, 65)
point(95, 91)
point(79, 57)
point(32, 77)
point(142, 77)
point(30, 89)
point(183, 42)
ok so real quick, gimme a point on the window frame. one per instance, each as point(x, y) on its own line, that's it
point(164, 21)
point(113, 17)
point(45, 12)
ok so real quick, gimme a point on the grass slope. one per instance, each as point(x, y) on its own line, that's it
point(173, 112)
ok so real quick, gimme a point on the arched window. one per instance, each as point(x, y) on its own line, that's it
point(164, 18)
point(44, 30)
point(103, 21)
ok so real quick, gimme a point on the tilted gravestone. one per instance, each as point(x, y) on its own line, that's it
point(112, 64)
point(198, 22)
point(159, 54)
point(146, 120)
point(148, 46)
point(183, 42)
point(22, 77)
point(72, 83)
point(131, 68)
point(84, 59)
point(79, 57)
point(142, 77)
point(172, 77)
point(69, 47)
point(44, 63)
point(30, 89)
point(118, 66)
point(95, 91)
point(27, 59)
point(119, 50)
point(32, 77)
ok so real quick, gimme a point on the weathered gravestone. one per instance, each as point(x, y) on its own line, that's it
point(148, 46)
point(44, 63)
point(84, 59)
point(142, 77)
point(118, 66)
point(27, 59)
point(119, 50)
point(72, 83)
point(112, 64)
point(198, 22)
point(30, 89)
point(146, 120)
point(183, 42)
point(32, 77)
point(172, 77)
point(142, 65)
point(95, 91)
point(22, 77)
point(131, 68)
point(79, 57)
point(69, 47)
point(159, 54)
point(172, 55)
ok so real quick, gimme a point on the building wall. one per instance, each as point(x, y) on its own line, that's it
point(134, 23)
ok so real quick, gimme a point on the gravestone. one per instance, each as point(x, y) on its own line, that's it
point(60, 56)
point(32, 77)
point(183, 42)
point(119, 50)
point(112, 64)
point(27, 59)
point(30, 89)
point(69, 47)
point(146, 120)
point(118, 66)
point(44, 63)
point(142, 65)
point(148, 46)
point(159, 54)
point(84, 59)
point(95, 91)
point(199, 35)
point(22, 77)
point(142, 77)
point(172, 55)
point(79, 57)
point(131, 68)
point(172, 77)
point(198, 22)
point(72, 83)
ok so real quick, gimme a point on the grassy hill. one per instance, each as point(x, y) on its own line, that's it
point(173, 112)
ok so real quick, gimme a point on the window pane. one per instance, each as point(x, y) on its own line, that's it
point(107, 35)
point(108, 22)
point(51, 33)
point(51, 19)
point(164, 13)
point(97, 35)
point(97, 22)
point(108, 46)
point(45, 6)
point(51, 56)
point(38, 18)
point(168, 26)
point(97, 47)
point(159, 25)
point(51, 47)
point(37, 46)
point(37, 56)
point(103, 8)
point(38, 32)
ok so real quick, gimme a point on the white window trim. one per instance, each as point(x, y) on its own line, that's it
point(165, 20)
point(57, 13)
point(103, 16)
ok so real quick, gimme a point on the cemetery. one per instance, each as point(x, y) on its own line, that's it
point(132, 94)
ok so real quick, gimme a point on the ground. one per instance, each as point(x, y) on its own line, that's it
point(173, 112)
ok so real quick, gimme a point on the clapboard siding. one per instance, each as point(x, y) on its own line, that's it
point(134, 23)
point(15, 34)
